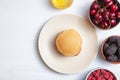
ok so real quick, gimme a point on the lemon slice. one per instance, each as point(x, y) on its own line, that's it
point(61, 4)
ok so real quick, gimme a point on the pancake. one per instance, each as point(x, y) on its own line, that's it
point(69, 42)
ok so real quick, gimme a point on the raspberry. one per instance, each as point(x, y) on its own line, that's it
point(95, 73)
point(103, 79)
point(103, 71)
point(99, 78)
point(106, 75)
point(98, 71)
point(91, 75)
point(89, 78)
point(111, 77)
point(93, 78)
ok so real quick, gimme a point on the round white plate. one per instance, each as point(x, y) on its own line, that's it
point(58, 62)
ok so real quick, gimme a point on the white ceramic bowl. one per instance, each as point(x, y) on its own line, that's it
point(115, 75)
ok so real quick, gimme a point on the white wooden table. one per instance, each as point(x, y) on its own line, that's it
point(20, 24)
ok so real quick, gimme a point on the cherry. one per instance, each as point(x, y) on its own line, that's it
point(112, 15)
point(95, 6)
point(113, 22)
point(118, 15)
point(106, 15)
point(114, 8)
point(109, 3)
point(107, 12)
point(107, 0)
point(104, 24)
point(92, 12)
point(98, 16)
point(101, 10)
point(96, 21)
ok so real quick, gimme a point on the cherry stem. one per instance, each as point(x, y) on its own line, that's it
point(96, 1)
point(101, 8)
point(116, 3)
point(109, 23)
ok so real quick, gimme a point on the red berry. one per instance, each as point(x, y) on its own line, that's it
point(93, 78)
point(92, 12)
point(103, 71)
point(118, 15)
point(113, 22)
point(89, 78)
point(99, 78)
point(112, 15)
point(98, 16)
point(95, 6)
point(107, 12)
point(107, 75)
point(113, 8)
point(107, 0)
point(103, 79)
point(96, 22)
point(104, 25)
point(98, 71)
point(111, 77)
point(109, 3)
point(101, 10)
point(106, 15)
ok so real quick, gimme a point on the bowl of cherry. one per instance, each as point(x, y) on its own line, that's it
point(105, 14)
point(101, 74)
point(110, 49)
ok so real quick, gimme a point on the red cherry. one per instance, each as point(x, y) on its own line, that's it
point(104, 24)
point(118, 15)
point(109, 3)
point(101, 10)
point(95, 6)
point(96, 22)
point(107, 0)
point(98, 16)
point(113, 22)
point(112, 15)
point(106, 15)
point(113, 8)
point(107, 12)
point(92, 12)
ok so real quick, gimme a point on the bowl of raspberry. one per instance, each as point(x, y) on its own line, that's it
point(110, 49)
point(104, 14)
point(101, 74)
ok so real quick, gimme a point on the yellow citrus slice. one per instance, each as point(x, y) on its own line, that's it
point(61, 4)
